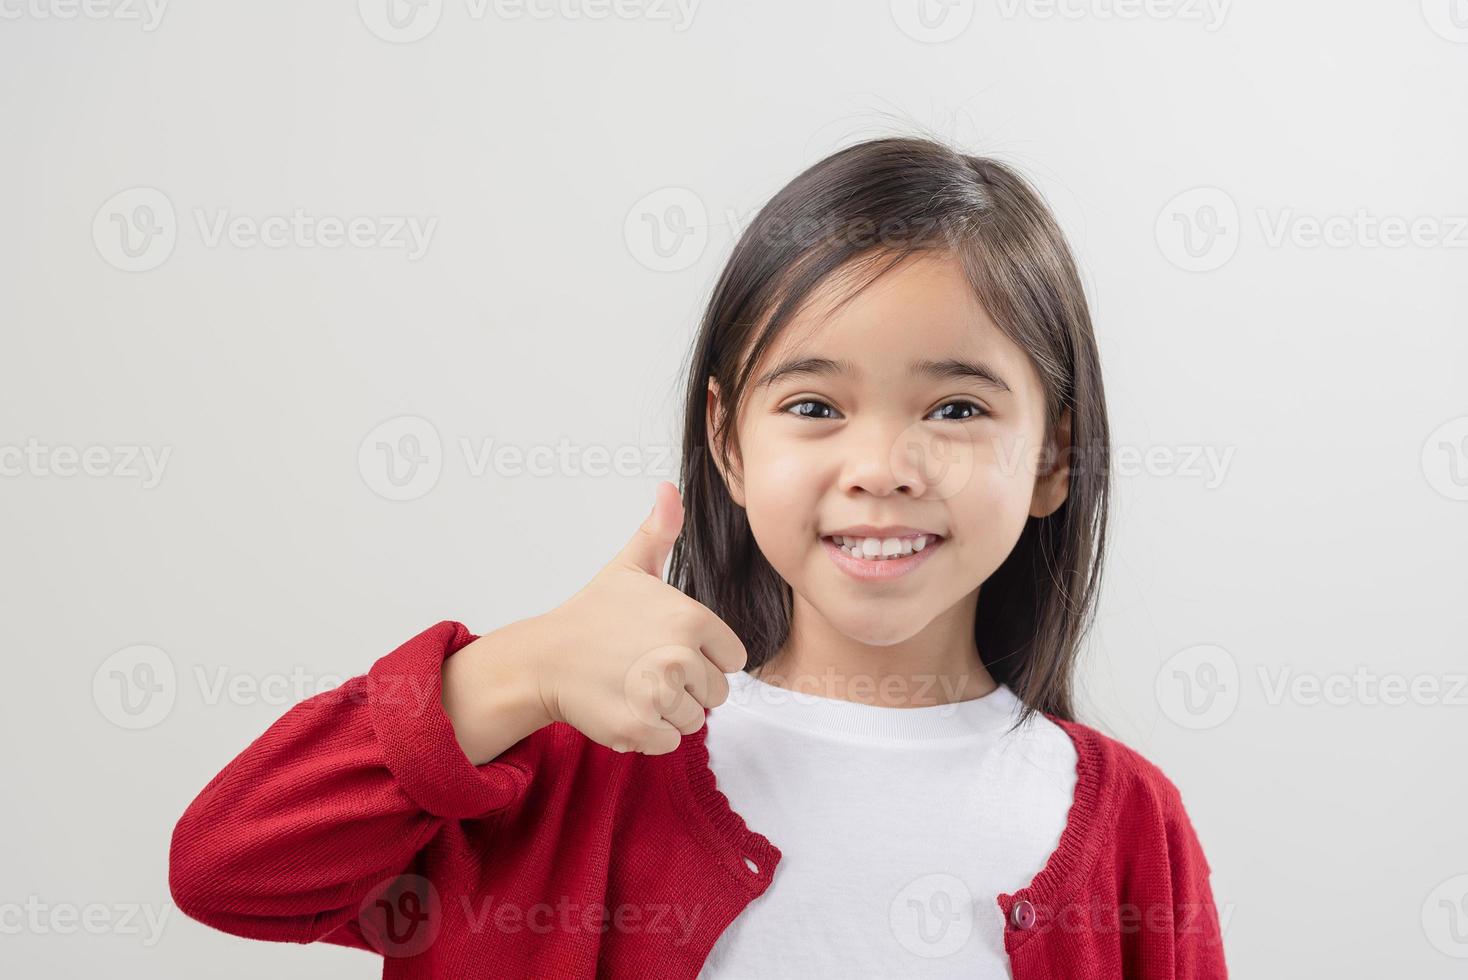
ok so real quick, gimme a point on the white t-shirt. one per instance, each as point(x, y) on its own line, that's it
point(897, 827)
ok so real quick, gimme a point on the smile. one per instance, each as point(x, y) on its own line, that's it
point(870, 559)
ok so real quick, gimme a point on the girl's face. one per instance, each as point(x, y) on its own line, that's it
point(908, 408)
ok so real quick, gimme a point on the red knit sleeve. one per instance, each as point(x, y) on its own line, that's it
point(1197, 934)
point(333, 799)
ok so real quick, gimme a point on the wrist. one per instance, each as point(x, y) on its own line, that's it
point(491, 692)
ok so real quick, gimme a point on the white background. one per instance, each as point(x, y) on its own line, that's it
point(1327, 381)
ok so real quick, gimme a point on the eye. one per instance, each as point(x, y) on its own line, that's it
point(809, 401)
point(975, 410)
point(978, 410)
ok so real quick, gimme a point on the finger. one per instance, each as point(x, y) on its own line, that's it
point(707, 683)
point(651, 543)
point(722, 645)
point(660, 679)
point(685, 714)
point(659, 739)
point(657, 680)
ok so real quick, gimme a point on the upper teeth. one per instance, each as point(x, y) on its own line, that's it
point(880, 548)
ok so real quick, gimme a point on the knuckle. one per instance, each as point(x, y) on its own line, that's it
point(631, 733)
point(678, 671)
point(662, 742)
point(669, 665)
point(687, 620)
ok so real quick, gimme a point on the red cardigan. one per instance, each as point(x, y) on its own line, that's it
point(356, 819)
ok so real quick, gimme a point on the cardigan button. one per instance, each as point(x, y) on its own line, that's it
point(1022, 915)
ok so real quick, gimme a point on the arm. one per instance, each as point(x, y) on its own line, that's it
point(1197, 934)
point(338, 795)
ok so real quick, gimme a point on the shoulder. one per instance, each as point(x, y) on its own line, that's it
point(1121, 768)
point(1145, 856)
point(1137, 805)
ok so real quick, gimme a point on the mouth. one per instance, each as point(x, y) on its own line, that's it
point(887, 548)
point(877, 559)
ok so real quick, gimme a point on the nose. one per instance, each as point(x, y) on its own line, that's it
point(886, 459)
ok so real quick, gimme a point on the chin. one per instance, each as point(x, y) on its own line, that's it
point(876, 630)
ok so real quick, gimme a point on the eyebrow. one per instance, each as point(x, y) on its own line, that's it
point(948, 369)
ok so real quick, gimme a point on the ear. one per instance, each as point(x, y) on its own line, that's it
point(1052, 485)
point(716, 410)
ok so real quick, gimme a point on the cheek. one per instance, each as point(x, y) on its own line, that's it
point(994, 498)
point(782, 495)
point(781, 474)
point(1004, 502)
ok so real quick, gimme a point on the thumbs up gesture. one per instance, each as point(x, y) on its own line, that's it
point(630, 661)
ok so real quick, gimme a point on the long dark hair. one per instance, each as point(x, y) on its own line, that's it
point(863, 209)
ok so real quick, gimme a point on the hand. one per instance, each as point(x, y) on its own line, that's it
point(630, 661)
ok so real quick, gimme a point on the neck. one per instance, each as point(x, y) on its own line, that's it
point(940, 664)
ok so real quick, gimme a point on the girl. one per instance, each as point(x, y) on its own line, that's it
point(883, 557)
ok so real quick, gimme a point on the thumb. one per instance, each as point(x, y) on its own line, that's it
point(649, 547)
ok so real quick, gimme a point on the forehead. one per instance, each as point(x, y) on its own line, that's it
point(922, 309)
